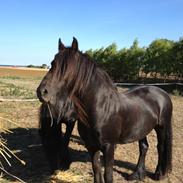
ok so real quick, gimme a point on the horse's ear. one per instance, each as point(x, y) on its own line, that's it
point(60, 45)
point(75, 44)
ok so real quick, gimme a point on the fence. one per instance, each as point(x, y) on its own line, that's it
point(168, 87)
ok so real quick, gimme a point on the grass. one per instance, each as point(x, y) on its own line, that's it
point(19, 83)
point(10, 77)
point(9, 90)
point(177, 92)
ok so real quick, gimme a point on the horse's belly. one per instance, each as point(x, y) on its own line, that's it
point(130, 139)
point(137, 131)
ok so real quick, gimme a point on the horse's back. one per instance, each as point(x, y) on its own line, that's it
point(153, 96)
point(150, 93)
point(146, 107)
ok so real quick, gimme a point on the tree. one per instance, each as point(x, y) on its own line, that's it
point(134, 59)
point(158, 58)
point(177, 57)
point(162, 57)
point(44, 66)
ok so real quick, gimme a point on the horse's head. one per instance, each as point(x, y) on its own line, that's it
point(54, 88)
point(68, 79)
point(54, 83)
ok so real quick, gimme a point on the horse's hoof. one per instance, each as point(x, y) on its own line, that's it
point(159, 175)
point(64, 167)
point(136, 176)
point(53, 171)
point(65, 162)
point(56, 172)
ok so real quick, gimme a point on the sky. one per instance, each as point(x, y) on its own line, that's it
point(29, 30)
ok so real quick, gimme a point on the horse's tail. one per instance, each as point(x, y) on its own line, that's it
point(167, 152)
point(164, 133)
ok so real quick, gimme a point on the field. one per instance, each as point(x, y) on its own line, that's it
point(24, 141)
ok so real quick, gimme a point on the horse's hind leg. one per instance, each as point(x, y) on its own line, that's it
point(139, 173)
point(96, 166)
point(92, 147)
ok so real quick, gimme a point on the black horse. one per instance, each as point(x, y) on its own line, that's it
point(54, 142)
point(107, 117)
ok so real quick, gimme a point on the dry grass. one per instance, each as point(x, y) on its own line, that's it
point(5, 152)
point(21, 73)
point(19, 83)
point(67, 177)
point(26, 145)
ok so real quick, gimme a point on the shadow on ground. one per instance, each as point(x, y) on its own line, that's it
point(27, 146)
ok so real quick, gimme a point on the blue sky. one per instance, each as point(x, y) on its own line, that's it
point(29, 30)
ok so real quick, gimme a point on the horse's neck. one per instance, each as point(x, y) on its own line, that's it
point(124, 100)
point(128, 102)
point(100, 87)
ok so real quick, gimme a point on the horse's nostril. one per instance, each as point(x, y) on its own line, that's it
point(42, 94)
point(45, 92)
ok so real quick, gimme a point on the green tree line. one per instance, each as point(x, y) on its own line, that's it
point(163, 58)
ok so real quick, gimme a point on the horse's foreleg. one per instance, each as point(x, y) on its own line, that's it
point(69, 129)
point(139, 173)
point(51, 137)
point(65, 159)
point(108, 162)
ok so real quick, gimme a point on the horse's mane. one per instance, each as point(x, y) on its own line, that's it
point(78, 70)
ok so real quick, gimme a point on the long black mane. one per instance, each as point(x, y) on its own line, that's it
point(78, 70)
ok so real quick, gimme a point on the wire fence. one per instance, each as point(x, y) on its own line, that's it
point(168, 87)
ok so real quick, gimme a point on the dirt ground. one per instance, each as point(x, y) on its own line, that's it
point(25, 142)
